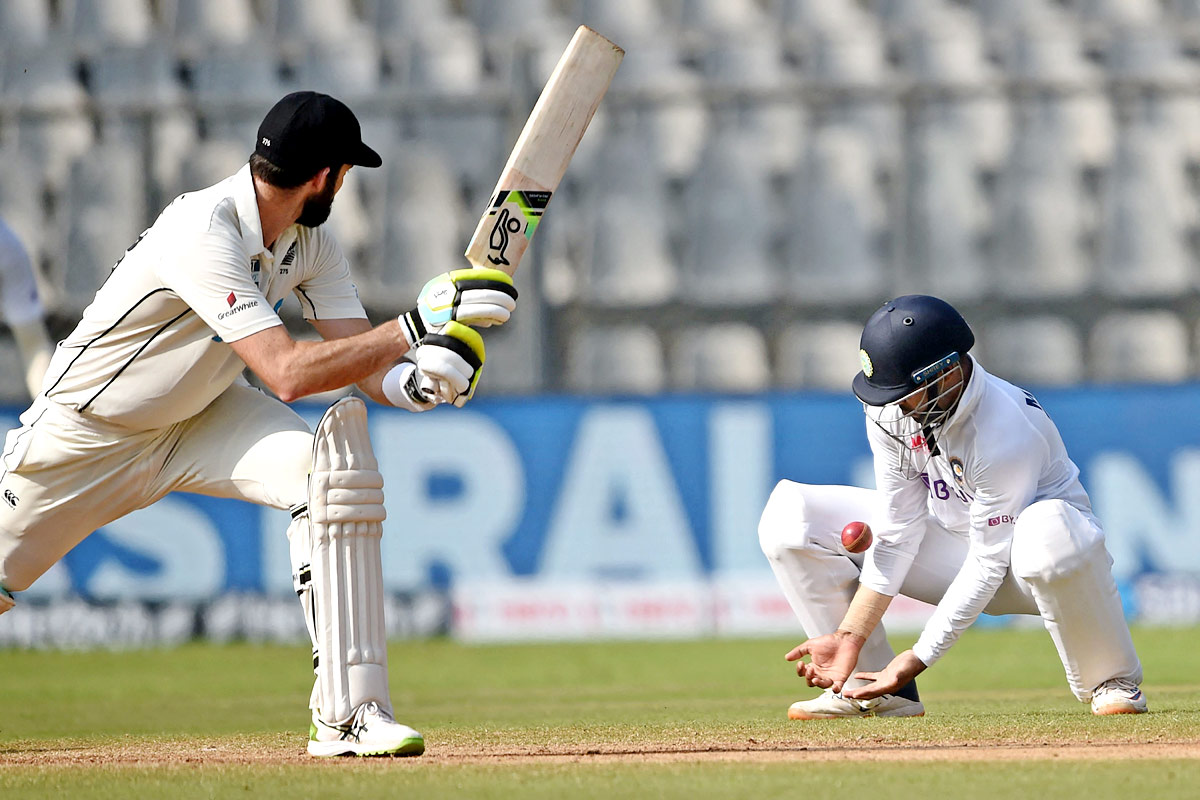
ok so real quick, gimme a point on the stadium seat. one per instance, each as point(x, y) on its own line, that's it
point(949, 53)
point(54, 142)
point(1140, 346)
point(94, 24)
point(1112, 15)
point(800, 18)
point(724, 357)
point(717, 17)
point(507, 20)
point(213, 160)
point(728, 226)
point(173, 137)
point(197, 24)
point(626, 359)
point(818, 355)
point(835, 220)
point(298, 23)
point(232, 77)
point(401, 19)
point(1039, 222)
point(947, 214)
point(622, 20)
point(622, 192)
point(25, 22)
point(1146, 214)
point(40, 78)
point(749, 66)
point(106, 204)
point(131, 79)
point(669, 99)
point(446, 61)
point(1146, 53)
point(348, 69)
point(1034, 351)
point(423, 234)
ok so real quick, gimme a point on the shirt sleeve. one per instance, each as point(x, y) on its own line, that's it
point(1005, 482)
point(211, 273)
point(327, 291)
point(898, 521)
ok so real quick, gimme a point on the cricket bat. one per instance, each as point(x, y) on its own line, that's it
point(539, 159)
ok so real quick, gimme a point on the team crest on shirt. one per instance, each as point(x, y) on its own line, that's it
point(956, 466)
point(867, 367)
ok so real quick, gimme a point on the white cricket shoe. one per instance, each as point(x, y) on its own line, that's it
point(371, 732)
point(830, 705)
point(1118, 696)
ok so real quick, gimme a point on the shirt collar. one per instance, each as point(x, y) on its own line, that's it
point(246, 202)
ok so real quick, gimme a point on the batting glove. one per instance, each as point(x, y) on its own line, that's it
point(479, 297)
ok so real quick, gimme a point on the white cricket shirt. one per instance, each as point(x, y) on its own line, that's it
point(152, 348)
point(998, 453)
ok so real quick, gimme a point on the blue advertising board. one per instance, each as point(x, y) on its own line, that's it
point(654, 491)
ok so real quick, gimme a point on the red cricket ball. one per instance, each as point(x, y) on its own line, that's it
point(856, 537)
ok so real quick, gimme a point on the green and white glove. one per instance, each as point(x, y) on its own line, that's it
point(444, 368)
point(479, 297)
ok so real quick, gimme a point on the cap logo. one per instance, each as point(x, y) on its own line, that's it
point(266, 142)
point(867, 367)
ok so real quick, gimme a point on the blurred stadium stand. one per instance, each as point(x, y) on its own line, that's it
point(761, 175)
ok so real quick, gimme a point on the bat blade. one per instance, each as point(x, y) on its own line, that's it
point(543, 150)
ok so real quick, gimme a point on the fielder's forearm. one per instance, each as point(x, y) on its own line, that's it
point(866, 609)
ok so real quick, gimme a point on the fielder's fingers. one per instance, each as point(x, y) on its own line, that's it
point(795, 653)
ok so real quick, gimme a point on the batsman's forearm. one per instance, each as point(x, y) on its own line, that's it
point(865, 612)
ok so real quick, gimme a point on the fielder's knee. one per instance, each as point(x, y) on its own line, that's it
point(1052, 539)
point(783, 524)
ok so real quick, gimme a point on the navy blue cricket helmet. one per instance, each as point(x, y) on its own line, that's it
point(905, 342)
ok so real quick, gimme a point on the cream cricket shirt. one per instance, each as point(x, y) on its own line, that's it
point(997, 454)
point(152, 348)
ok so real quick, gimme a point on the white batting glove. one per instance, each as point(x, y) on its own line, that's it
point(402, 388)
point(453, 360)
point(480, 297)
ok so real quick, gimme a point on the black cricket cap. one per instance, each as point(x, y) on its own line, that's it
point(306, 131)
point(903, 338)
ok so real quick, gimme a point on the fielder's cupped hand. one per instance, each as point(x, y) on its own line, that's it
point(831, 659)
point(902, 669)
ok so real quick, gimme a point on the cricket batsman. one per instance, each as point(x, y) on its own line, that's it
point(978, 509)
point(147, 396)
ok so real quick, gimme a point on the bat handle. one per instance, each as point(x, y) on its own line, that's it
point(429, 388)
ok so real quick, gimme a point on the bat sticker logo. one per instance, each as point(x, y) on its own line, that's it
point(506, 224)
point(509, 208)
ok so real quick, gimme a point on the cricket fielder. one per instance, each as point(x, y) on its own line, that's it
point(22, 308)
point(147, 397)
point(978, 509)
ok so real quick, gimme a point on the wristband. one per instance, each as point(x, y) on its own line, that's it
point(412, 327)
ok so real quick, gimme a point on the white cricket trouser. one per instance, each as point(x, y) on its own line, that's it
point(66, 474)
point(1059, 569)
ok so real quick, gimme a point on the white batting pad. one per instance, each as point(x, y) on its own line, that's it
point(345, 510)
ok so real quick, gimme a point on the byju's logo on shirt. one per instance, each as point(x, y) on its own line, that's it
point(1001, 519)
point(235, 307)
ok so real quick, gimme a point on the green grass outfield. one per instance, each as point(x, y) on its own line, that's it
point(631, 719)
